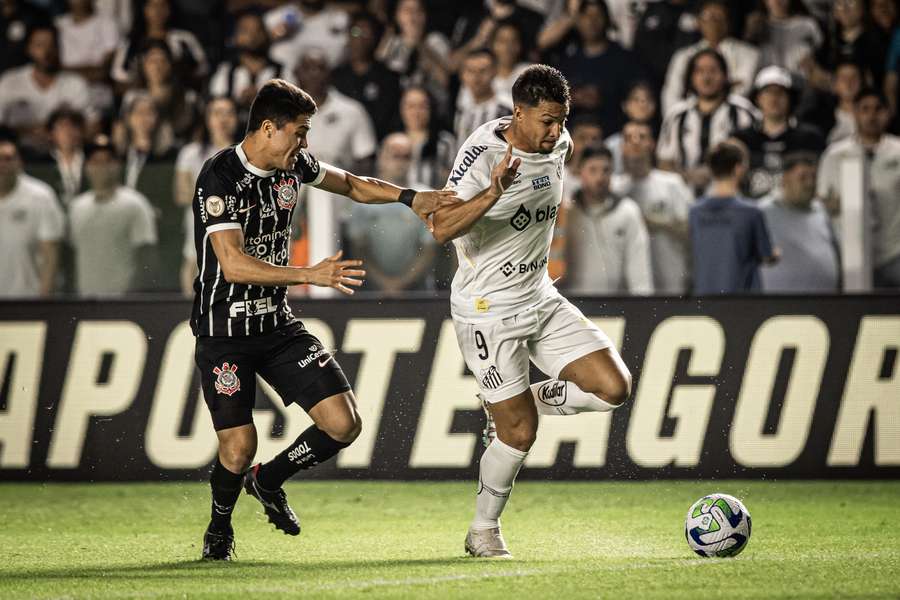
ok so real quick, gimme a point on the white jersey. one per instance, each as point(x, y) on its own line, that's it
point(503, 259)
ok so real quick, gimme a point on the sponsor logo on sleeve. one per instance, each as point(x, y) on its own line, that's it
point(215, 206)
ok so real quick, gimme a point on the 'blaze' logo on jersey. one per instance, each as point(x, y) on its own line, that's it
point(226, 381)
point(552, 393)
point(468, 160)
point(287, 193)
point(522, 218)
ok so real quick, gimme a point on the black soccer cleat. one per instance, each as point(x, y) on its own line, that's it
point(274, 503)
point(218, 545)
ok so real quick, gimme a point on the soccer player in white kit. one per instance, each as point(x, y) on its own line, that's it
point(505, 308)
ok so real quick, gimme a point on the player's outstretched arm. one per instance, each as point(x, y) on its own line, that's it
point(369, 190)
point(451, 222)
point(239, 267)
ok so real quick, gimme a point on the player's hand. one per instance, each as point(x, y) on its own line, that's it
point(424, 204)
point(504, 173)
point(336, 273)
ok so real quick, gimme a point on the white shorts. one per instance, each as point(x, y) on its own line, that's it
point(552, 333)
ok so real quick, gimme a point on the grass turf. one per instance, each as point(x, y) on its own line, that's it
point(623, 540)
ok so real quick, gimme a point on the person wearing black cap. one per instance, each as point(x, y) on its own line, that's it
point(777, 134)
point(112, 229)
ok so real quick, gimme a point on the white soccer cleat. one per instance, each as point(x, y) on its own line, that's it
point(486, 543)
point(490, 430)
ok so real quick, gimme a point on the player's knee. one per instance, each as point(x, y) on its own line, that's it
point(237, 457)
point(619, 388)
point(521, 437)
point(345, 429)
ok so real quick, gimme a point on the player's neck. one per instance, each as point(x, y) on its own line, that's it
point(511, 134)
point(252, 148)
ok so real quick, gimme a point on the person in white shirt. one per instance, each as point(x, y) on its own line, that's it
point(28, 94)
point(477, 101)
point(741, 57)
point(87, 41)
point(507, 48)
point(31, 227)
point(113, 230)
point(664, 200)
point(607, 245)
point(297, 27)
point(880, 153)
point(505, 309)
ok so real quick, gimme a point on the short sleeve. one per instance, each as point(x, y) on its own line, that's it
point(309, 169)
point(761, 241)
point(143, 225)
point(215, 205)
point(471, 172)
point(51, 225)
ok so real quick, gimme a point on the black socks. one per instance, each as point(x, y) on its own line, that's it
point(311, 448)
point(226, 487)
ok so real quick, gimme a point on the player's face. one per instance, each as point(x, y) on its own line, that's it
point(541, 125)
point(286, 143)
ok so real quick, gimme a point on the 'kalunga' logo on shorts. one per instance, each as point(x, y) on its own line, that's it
point(468, 160)
point(552, 393)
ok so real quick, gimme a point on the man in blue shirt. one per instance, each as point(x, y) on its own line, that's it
point(728, 234)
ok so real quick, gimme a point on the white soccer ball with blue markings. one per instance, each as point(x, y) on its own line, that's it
point(717, 525)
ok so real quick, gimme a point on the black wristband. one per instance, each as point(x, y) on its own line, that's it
point(406, 197)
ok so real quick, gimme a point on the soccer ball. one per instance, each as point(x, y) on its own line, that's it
point(717, 525)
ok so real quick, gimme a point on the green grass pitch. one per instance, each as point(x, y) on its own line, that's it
point(831, 539)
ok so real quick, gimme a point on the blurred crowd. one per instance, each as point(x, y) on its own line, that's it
point(109, 108)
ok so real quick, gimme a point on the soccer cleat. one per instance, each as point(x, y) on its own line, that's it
point(218, 545)
point(490, 430)
point(486, 543)
point(274, 503)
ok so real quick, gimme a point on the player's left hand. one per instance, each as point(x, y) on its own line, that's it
point(426, 203)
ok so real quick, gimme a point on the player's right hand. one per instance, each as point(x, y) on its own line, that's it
point(504, 172)
point(336, 273)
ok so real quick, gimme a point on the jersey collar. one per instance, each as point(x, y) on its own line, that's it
point(247, 165)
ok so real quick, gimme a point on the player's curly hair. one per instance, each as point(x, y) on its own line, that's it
point(540, 83)
point(279, 101)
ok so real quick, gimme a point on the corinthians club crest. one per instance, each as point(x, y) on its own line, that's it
point(226, 381)
point(286, 193)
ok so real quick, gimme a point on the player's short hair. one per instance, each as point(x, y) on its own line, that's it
point(596, 151)
point(870, 92)
point(723, 158)
point(540, 83)
point(279, 101)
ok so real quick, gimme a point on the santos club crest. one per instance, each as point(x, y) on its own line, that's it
point(286, 193)
point(226, 381)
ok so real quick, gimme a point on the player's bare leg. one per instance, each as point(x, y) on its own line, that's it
point(516, 422)
point(596, 382)
point(237, 446)
point(336, 425)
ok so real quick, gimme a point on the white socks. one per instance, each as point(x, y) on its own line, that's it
point(499, 466)
point(556, 397)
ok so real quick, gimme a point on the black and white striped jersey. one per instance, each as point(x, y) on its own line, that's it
point(231, 193)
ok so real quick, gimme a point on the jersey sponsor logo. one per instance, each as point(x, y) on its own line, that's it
point(540, 183)
point(490, 378)
point(508, 268)
point(250, 308)
point(215, 206)
point(227, 381)
point(300, 453)
point(465, 164)
point(286, 193)
point(522, 218)
point(314, 353)
point(552, 393)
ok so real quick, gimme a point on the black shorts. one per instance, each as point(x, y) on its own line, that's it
point(292, 360)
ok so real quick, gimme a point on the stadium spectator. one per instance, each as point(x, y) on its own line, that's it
point(477, 102)
point(801, 228)
point(87, 41)
point(219, 131)
point(433, 146)
point(31, 227)
point(154, 22)
point(786, 37)
point(247, 66)
point(112, 230)
point(709, 116)
point(599, 70)
point(729, 238)
point(477, 20)
point(854, 39)
point(17, 18)
point(140, 136)
point(663, 28)
point(639, 107)
point(664, 200)
point(419, 56)
point(178, 107)
point(880, 153)
point(892, 74)
point(741, 57)
point(343, 134)
point(777, 133)
point(63, 166)
point(508, 49)
point(366, 79)
point(28, 94)
point(397, 250)
point(607, 246)
point(303, 25)
point(586, 131)
point(833, 111)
